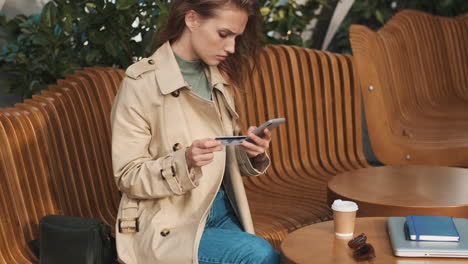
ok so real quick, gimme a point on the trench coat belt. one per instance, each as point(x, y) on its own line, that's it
point(128, 222)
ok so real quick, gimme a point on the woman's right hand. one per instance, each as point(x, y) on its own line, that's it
point(200, 153)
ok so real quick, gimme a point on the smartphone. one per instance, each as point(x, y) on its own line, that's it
point(270, 124)
point(233, 140)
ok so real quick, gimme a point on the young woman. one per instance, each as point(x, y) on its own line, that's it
point(183, 200)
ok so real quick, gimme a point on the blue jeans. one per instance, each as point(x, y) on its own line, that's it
point(224, 241)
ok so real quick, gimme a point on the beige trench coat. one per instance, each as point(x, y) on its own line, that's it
point(155, 115)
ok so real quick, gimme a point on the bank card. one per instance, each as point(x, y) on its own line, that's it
point(234, 140)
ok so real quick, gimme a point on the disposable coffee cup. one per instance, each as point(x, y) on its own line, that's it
point(344, 215)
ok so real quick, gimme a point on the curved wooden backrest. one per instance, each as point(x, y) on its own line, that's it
point(56, 156)
point(318, 94)
point(414, 76)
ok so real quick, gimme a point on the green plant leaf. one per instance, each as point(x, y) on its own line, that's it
point(112, 48)
point(96, 37)
point(150, 39)
point(296, 39)
point(68, 10)
point(379, 16)
point(49, 15)
point(125, 4)
point(39, 40)
point(90, 5)
point(265, 11)
point(68, 24)
point(21, 57)
point(91, 56)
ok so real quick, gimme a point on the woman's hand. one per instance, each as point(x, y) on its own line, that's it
point(200, 153)
point(261, 143)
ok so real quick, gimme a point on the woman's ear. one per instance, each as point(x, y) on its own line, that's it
point(192, 20)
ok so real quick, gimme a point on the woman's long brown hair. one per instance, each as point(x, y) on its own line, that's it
point(243, 62)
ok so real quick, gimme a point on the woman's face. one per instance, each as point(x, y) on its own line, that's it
point(213, 39)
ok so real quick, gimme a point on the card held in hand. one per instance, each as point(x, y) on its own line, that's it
point(233, 140)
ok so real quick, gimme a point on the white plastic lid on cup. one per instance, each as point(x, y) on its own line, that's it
point(344, 206)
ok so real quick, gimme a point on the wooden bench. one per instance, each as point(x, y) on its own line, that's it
point(414, 74)
point(55, 155)
point(319, 95)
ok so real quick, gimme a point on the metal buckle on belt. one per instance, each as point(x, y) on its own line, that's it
point(169, 170)
point(129, 229)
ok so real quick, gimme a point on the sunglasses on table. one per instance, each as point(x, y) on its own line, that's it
point(362, 250)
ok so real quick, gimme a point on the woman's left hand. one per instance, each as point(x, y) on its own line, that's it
point(261, 143)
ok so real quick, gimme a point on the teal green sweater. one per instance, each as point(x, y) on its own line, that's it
point(193, 73)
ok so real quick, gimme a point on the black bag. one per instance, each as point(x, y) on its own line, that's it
point(66, 239)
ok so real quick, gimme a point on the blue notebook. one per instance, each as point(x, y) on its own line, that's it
point(431, 228)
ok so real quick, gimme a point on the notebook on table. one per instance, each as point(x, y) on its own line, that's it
point(431, 228)
point(404, 247)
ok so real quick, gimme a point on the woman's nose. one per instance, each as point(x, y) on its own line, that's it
point(230, 46)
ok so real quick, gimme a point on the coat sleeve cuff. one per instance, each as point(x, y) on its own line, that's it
point(187, 179)
point(253, 167)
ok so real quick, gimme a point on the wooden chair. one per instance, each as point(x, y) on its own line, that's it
point(56, 153)
point(414, 76)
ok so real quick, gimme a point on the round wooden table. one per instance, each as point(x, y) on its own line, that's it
point(404, 190)
point(317, 244)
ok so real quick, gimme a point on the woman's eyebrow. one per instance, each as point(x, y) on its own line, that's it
point(229, 31)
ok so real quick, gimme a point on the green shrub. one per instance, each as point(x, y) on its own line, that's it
point(72, 34)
